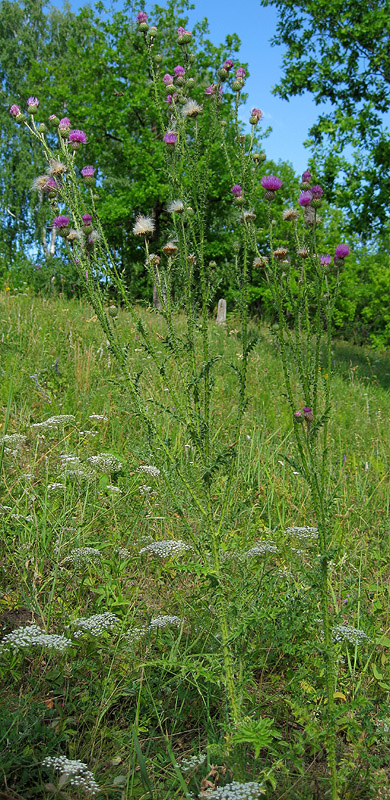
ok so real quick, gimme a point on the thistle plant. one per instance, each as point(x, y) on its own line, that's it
point(184, 362)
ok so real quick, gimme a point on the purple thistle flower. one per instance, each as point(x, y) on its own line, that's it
point(256, 113)
point(64, 125)
point(240, 73)
point(179, 71)
point(298, 416)
point(168, 99)
point(32, 102)
point(210, 90)
point(14, 110)
point(184, 36)
point(87, 219)
point(271, 183)
point(51, 185)
point(325, 260)
point(306, 177)
point(316, 191)
point(305, 199)
point(142, 17)
point(342, 251)
point(77, 136)
point(228, 64)
point(60, 222)
point(170, 138)
point(180, 31)
point(168, 79)
point(237, 190)
point(88, 171)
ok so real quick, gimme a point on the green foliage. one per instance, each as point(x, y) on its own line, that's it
point(339, 51)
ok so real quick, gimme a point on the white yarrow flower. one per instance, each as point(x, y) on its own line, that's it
point(262, 547)
point(149, 470)
point(79, 774)
point(163, 620)
point(33, 636)
point(166, 548)
point(94, 625)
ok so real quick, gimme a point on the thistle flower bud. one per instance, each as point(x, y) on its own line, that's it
point(271, 184)
point(183, 36)
point(255, 116)
point(227, 64)
point(298, 417)
point(64, 127)
point(142, 21)
point(169, 88)
point(77, 138)
point(152, 32)
point(54, 121)
point(325, 260)
point(32, 105)
point(88, 174)
point(223, 74)
point(258, 158)
point(14, 110)
point(87, 220)
point(179, 71)
point(308, 415)
point(170, 139)
point(113, 311)
point(158, 58)
point(168, 79)
point(240, 73)
point(341, 252)
point(237, 84)
point(42, 127)
point(306, 178)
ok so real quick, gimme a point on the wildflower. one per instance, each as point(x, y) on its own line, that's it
point(168, 79)
point(93, 237)
point(262, 547)
point(53, 120)
point(179, 71)
point(280, 253)
point(170, 139)
point(105, 462)
point(237, 190)
point(75, 236)
point(56, 167)
point(308, 415)
point(98, 417)
point(210, 90)
point(152, 32)
point(32, 105)
point(67, 458)
point(240, 73)
point(317, 191)
point(346, 633)
point(302, 252)
point(259, 157)
point(248, 215)
point(228, 64)
point(80, 473)
point(56, 487)
point(175, 207)
point(15, 111)
point(170, 249)
point(188, 764)
point(259, 262)
point(64, 126)
point(341, 252)
point(235, 791)
point(310, 217)
point(237, 84)
point(79, 556)
point(61, 222)
point(77, 138)
point(163, 620)
point(290, 214)
point(306, 177)
point(33, 636)
point(141, 17)
point(183, 36)
point(169, 99)
point(113, 489)
point(166, 548)
point(94, 625)
point(53, 422)
point(15, 439)
point(88, 174)
point(143, 226)
point(149, 470)
point(271, 184)
point(191, 109)
point(303, 532)
point(255, 116)
point(79, 774)
point(325, 260)
point(305, 199)
point(134, 634)
point(144, 489)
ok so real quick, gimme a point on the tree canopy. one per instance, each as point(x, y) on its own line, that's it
point(339, 50)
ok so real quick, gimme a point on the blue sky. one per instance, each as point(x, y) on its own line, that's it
point(255, 26)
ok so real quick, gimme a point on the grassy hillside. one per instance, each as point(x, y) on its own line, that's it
point(137, 691)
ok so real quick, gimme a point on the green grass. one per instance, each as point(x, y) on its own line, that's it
point(133, 710)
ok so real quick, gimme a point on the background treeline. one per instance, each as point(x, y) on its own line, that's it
point(93, 68)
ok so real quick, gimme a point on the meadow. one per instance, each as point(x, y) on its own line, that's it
point(96, 551)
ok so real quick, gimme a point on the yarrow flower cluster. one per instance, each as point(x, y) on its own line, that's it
point(79, 774)
point(163, 620)
point(79, 556)
point(54, 422)
point(98, 417)
point(235, 791)
point(261, 548)
point(33, 636)
point(346, 633)
point(14, 439)
point(154, 472)
point(189, 764)
point(303, 532)
point(166, 548)
point(94, 625)
point(105, 462)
